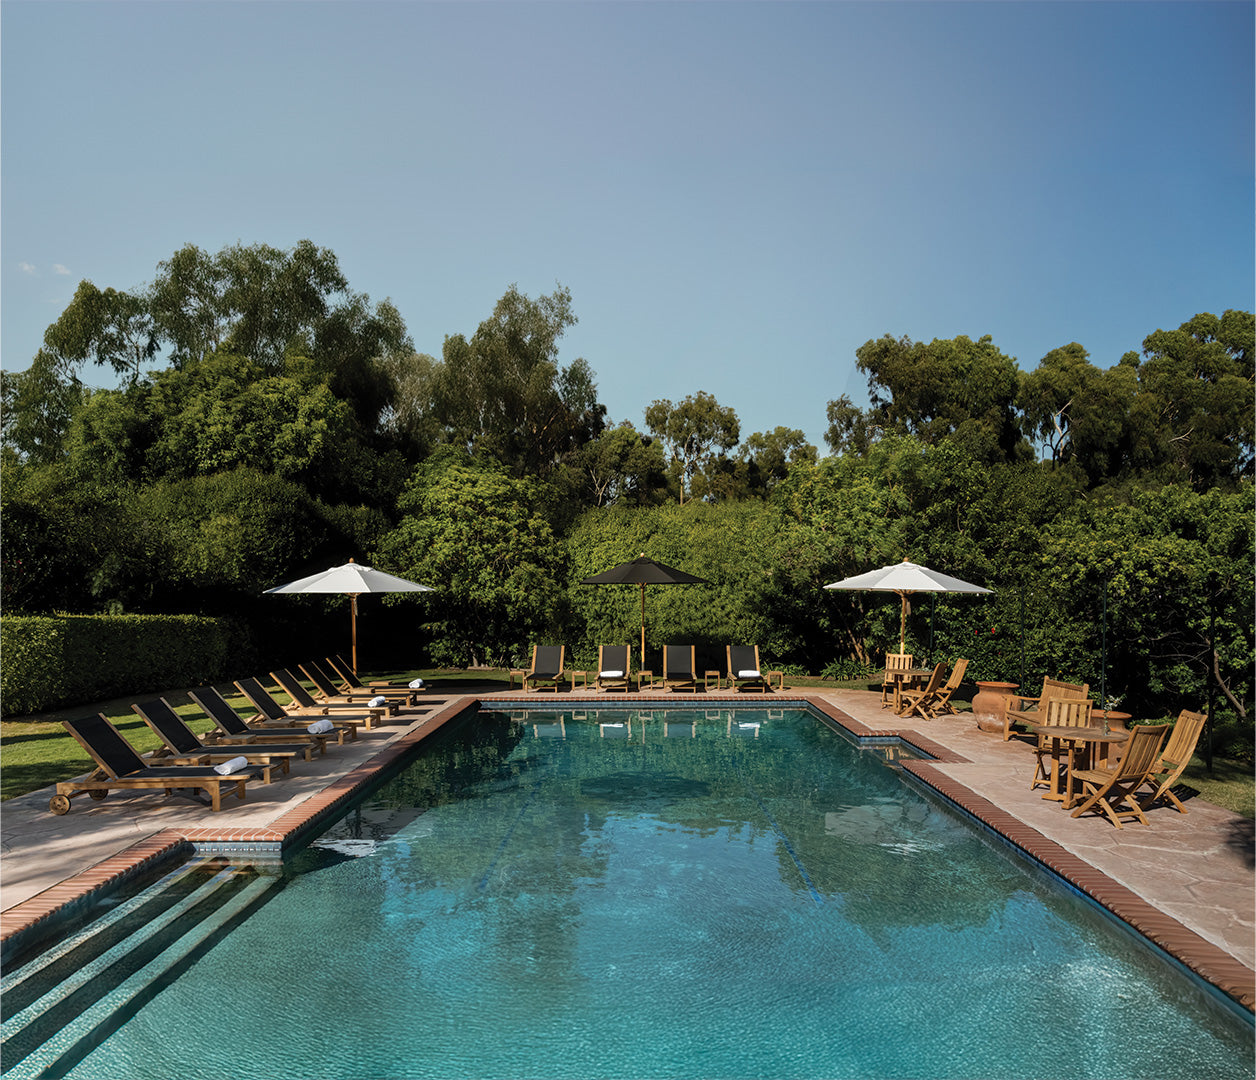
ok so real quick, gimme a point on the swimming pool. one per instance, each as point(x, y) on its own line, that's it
point(679, 893)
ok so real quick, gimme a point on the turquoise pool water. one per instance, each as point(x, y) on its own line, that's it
point(687, 893)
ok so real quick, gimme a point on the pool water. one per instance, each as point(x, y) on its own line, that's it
point(684, 893)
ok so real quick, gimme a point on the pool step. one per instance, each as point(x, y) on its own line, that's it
point(51, 1034)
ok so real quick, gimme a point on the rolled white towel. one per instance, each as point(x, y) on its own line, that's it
point(611, 674)
point(321, 727)
point(377, 702)
point(749, 673)
point(232, 766)
point(416, 684)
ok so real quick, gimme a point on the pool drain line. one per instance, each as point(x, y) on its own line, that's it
point(780, 835)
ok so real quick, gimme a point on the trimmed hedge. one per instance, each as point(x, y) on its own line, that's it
point(47, 662)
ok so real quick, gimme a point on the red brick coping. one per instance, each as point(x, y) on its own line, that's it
point(1208, 961)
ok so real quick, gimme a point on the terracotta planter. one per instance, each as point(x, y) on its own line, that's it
point(990, 702)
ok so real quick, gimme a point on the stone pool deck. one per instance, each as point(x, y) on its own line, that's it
point(1187, 882)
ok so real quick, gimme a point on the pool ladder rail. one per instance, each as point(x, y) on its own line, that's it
point(61, 1004)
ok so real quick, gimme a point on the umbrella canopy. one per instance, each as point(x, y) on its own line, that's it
point(642, 571)
point(352, 579)
point(904, 578)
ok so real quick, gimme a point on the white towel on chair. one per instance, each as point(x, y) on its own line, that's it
point(232, 766)
point(416, 684)
point(321, 727)
point(749, 673)
point(610, 674)
point(377, 702)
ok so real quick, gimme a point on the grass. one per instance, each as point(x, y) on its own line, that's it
point(36, 752)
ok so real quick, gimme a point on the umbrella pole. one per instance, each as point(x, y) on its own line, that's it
point(642, 624)
point(902, 625)
point(353, 628)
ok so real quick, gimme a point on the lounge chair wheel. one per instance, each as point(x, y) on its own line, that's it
point(59, 804)
point(98, 795)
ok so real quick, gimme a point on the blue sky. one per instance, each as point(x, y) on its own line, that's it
point(738, 195)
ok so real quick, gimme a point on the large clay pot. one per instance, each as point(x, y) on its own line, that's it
point(989, 704)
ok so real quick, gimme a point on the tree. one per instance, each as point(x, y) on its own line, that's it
point(770, 455)
point(110, 327)
point(956, 388)
point(504, 393)
point(692, 432)
point(621, 465)
point(850, 429)
point(36, 406)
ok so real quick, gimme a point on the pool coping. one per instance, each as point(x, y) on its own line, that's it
point(26, 921)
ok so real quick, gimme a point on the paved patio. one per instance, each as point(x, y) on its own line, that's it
point(1188, 881)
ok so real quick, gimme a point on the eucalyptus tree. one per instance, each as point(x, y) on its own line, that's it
point(695, 431)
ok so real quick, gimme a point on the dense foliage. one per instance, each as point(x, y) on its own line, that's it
point(269, 421)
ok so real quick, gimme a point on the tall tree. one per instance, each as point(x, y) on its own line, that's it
point(771, 454)
point(693, 431)
point(621, 465)
point(110, 327)
point(36, 406)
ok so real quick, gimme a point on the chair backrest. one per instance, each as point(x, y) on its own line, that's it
point(1142, 751)
point(898, 661)
point(742, 658)
point(957, 674)
point(105, 744)
point(168, 725)
point(216, 707)
point(547, 659)
point(1067, 712)
point(345, 670)
point(1055, 688)
point(935, 680)
point(292, 686)
point(320, 679)
point(614, 658)
point(252, 689)
point(678, 660)
point(1183, 738)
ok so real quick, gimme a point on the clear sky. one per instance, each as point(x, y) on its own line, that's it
point(738, 195)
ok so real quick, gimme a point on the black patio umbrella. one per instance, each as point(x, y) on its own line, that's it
point(642, 571)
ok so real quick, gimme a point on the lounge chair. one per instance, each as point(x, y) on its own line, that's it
point(120, 768)
point(182, 744)
point(546, 672)
point(331, 672)
point(679, 670)
point(232, 728)
point(274, 713)
point(614, 666)
point(744, 673)
point(894, 662)
point(1107, 789)
point(1176, 755)
point(326, 690)
point(920, 702)
point(305, 701)
point(942, 702)
point(1056, 712)
point(1028, 710)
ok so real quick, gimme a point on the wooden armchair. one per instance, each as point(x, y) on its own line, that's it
point(1176, 755)
point(942, 702)
point(1057, 712)
point(1105, 790)
point(1028, 710)
point(920, 702)
point(893, 662)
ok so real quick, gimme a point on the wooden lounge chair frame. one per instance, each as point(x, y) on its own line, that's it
point(121, 768)
point(611, 658)
point(1015, 711)
point(182, 747)
point(679, 674)
point(231, 728)
point(274, 713)
point(1106, 790)
point(303, 699)
point(344, 669)
point(547, 668)
point(327, 691)
point(920, 702)
point(893, 662)
point(742, 660)
point(1176, 755)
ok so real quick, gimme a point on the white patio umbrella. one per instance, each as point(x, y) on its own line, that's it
point(904, 578)
point(354, 579)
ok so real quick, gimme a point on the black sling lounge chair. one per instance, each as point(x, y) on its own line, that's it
point(302, 699)
point(744, 673)
point(274, 713)
point(231, 727)
point(120, 768)
point(328, 692)
point(678, 668)
point(182, 742)
point(345, 670)
point(547, 668)
point(613, 664)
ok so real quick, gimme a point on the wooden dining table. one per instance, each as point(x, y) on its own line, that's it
point(1093, 740)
